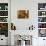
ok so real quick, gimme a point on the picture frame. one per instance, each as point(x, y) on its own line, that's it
point(42, 32)
point(23, 14)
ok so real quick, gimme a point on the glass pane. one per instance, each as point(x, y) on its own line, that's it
point(4, 29)
point(41, 19)
point(3, 13)
point(41, 6)
point(41, 25)
point(41, 13)
point(3, 6)
point(3, 19)
point(42, 32)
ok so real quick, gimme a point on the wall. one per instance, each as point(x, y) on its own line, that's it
point(21, 24)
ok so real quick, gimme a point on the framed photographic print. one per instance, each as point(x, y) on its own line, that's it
point(3, 19)
point(41, 6)
point(22, 14)
point(41, 25)
point(4, 29)
point(42, 32)
point(3, 13)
